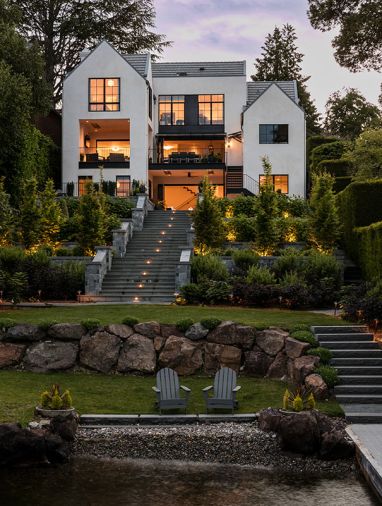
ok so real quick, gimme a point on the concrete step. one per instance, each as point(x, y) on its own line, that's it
point(360, 370)
point(368, 389)
point(350, 345)
point(363, 413)
point(357, 353)
point(338, 329)
point(359, 379)
point(357, 336)
point(359, 399)
point(360, 362)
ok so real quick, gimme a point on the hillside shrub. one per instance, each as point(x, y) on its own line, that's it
point(91, 324)
point(210, 323)
point(329, 375)
point(260, 276)
point(185, 324)
point(305, 336)
point(130, 321)
point(243, 228)
point(252, 294)
point(208, 267)
point(324, 354)
point(244, 259)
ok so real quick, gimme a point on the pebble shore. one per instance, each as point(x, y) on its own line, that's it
point(225, 443)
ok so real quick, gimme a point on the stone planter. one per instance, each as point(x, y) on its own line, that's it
point(52, 413)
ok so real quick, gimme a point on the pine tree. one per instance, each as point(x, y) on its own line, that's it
point(324, 222)
point(267, 235)
point(51, 215)
point(29, 214)
point(7, 216)
point(281, 61)
point(208, 222)
point(91, 219)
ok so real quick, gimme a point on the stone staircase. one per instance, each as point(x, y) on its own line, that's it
point(358, 360)
point(147, 272)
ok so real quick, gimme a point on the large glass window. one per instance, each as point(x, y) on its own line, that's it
point(280, 183)
point(104, 94)
point(171, 109)
point(211, 109)
point(273, 134)
point(123, 186)
point(82, 182)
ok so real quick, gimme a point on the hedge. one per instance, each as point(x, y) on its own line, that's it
point(369, 243)
point(338, 168)
point(317, 140)
point(341, 183)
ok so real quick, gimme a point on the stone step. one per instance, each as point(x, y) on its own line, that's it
point(361, 370)
point(338, 329)
point(358, 379)
point(359, 399)
point(358, 336)
point(133, 299)
point(367, 389)
point(360, 362)
point(358, 353)
point(351, 345)
point(363, 413)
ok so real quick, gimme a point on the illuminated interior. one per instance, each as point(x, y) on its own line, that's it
point(104, 94)
point(192, 151)
point(280, 183)
point(105, 140)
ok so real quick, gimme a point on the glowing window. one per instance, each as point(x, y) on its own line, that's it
point(171, 110)
point(211, 109)
point(280, 182)
point(104, 94)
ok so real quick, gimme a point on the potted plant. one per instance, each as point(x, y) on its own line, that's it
point(301, 399)
point(55, 402)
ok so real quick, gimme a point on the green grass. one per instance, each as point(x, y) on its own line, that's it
point(96, 393)
point(170, 314)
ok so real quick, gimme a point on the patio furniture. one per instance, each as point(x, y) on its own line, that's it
point(116, 157)
point(224, 391)
point(174, 157)
point(92, 157)
point(167, 390)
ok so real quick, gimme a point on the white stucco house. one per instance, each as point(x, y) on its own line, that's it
point(168, 125)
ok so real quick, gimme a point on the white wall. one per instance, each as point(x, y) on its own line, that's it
point(105, 62)
point(275, 107)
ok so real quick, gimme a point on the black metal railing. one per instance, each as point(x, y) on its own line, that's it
point(198, 156)
point(109, 154)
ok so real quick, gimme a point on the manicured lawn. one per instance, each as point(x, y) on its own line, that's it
point(96, 393)
point(170, 314)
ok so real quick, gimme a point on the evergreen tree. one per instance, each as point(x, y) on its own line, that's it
point(51, 215)
point(7, 216)
point(91, 219)
point(281, 61)
point(324, 222)
point(29, 214)
point(267, 235)
point(208, 222)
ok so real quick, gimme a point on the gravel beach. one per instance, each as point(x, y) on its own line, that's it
point(225, 443)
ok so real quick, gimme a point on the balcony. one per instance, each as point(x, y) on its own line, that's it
point(187, 153)
point(115, 157)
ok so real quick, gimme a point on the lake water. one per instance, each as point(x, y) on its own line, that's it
point(105, 482)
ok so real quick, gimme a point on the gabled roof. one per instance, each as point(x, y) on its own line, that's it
point(256, 88)
point(139, 62)
point(199, 69)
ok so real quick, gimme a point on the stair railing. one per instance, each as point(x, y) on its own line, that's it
point(250, 184)
point(188, 201)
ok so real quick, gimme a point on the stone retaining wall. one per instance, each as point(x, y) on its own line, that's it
point(149, 346)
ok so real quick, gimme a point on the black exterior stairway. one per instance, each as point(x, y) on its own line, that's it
point(147, 272)
point(358, 360)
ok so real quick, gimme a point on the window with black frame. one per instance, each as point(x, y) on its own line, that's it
point(280, 182)
point(104, 94)
point(274, 134)
point(171, 109)
point(211, 109)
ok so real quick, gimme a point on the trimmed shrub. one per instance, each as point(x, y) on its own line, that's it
point(91, 324)
point(244, 206)
point(208, 267)
point(210, 323)
point(192, 293)
point(260, 276)
point(255, 294)
point(243, 227)
point(314, 141)
point(184, 325)
point(130, 321)
point(46, 324)
point(328, 151)
point(305, 336)
point(369, 246)
point(6, 323)
point(341, 183)
point(337, 168)
point(244, 259)
point(218, 292)
point(324, 354)
point(328, 374)
point(300, 326)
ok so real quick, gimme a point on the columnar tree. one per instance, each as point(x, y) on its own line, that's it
point(51, 215)
point(91, 219)
point(281, 61)
point(29, 220)
point(208, 221)
point(7, 216)
point(267, 234)
point(324, 223)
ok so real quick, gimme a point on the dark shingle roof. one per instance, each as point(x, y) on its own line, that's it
point(257, 88)
point(139, 62)
point(199, 69)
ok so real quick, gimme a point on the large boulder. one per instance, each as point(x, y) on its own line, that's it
point(10, 354)
point(50, 356)
point(295, 348)
point(65, 426)
point(196, 332)
point(24, 332)
point(67, 331)
point(317, 385)
point(232, 334)
point(271, 341)
point(100, 351)
point(299, 432)
point(137, 354)
point(181, 354)
point(301, 367)
point(257, 362)
point(148, 329)
point(269, 419)
point(336, 445)
point(219, 355)
point(279, 367)
point(169, 329)
point(120, 330)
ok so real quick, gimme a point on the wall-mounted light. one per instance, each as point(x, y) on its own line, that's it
point(87, 141)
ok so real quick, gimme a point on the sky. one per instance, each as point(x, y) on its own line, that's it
point(236, 29)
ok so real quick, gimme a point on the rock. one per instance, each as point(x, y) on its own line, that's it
point(219, 355)
point(257, 362)
point(278, 369)
point(168, 330)
point(335, 445)
point(299, 432)
point(269, 419)
point(271, 341)
point(295, 348)
point(283, 332)
point(50, 356)
point(148, 329)
point(159, 342)
point(10, 354)
point(57, 451)
point(65, 426)
point(119, 330)
point(182, 355)
point(230, 333)
point(196, 332)
point(24, 332)
point(100, 351)
point(138, 354)
point(67, 331)
point(317, 385)
point(301, 367)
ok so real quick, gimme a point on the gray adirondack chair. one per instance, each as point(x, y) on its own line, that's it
point(167, 391)
point(224, 391)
